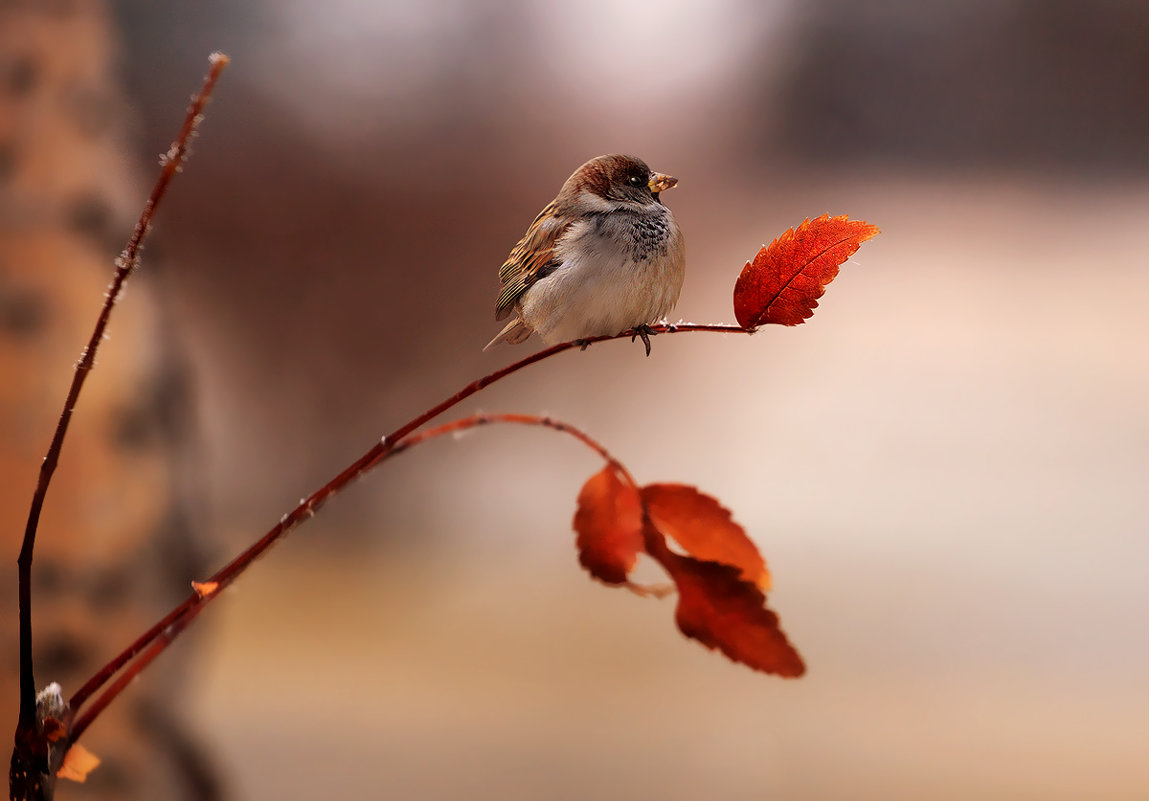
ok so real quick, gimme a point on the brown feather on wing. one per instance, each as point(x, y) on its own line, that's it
point(531, 259)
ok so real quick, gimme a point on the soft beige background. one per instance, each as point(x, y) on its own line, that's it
point(946, 468)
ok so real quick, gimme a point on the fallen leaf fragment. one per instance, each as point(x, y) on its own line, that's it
point(77, 764)
point(784, 281)
point(705, 529)
point(608, 522)
point(205, 588)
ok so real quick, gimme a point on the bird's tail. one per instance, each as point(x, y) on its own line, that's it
point(515, 332)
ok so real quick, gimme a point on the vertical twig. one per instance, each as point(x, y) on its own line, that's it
point(171, 163)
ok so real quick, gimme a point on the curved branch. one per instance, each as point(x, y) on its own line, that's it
point(189, 611)
point(194, 603)
point(483, 419)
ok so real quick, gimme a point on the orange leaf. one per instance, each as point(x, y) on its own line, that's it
point(704, 528)
point(205, 588)
point(78, 763)
point(722, 611)
point(609, 526)
point(783, 283)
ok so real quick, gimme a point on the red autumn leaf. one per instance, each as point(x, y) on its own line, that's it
point(720, 610)
point(701, 525)
point(77, 764)
point(783, 283)
point(608, 522)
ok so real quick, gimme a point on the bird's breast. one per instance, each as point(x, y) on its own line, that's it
point(616, 271)
point(650, 237)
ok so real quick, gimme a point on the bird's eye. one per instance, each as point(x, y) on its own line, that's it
point(636, 180)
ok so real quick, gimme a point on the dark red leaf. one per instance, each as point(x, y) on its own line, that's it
point(608, 522)
point(720, 610)
point(701, 525)
point(783, 283)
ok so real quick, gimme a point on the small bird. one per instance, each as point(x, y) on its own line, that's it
point(603, 257)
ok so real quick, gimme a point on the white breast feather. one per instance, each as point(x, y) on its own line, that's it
point(600, 289)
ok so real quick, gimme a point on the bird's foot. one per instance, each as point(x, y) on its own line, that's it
point(583, 344)
point(643, 332)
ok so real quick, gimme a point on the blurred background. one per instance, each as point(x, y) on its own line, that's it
point(946, 469)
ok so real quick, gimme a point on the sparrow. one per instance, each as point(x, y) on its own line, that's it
point(604, 256)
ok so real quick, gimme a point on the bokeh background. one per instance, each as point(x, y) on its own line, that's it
point(946, 468)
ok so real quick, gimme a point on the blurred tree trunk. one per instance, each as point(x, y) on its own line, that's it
point(115, 548)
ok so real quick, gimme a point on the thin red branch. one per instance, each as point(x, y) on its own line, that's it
point(187, 612)
point(194, 603)
point(483, 419)
point(168, 634)
point(126, 263)
point(145, 658)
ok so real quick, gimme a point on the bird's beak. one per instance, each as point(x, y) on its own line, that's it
point(659, 182)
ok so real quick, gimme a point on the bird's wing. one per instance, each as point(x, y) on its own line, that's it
point(531, 260)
